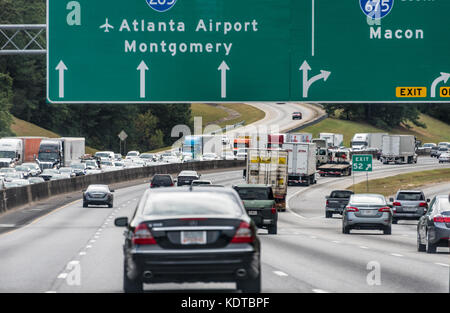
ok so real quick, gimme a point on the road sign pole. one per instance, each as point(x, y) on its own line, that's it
point(367, 181)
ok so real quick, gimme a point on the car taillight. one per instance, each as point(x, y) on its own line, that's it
point(243, 234)
point(441, 219)
point(423, 205)
point(171, 185)
point(151, 185)
point(385, 209)
point(274, 210)
point(396, 204)
point(352, 209)
point(328, 202)
point(143, 236)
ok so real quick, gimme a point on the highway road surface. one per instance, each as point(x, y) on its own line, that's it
point(76, 249)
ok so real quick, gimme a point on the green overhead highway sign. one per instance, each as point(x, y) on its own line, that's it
point(362, 163)
point(116, 51)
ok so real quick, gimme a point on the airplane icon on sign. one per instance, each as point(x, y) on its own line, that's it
point(107, 26)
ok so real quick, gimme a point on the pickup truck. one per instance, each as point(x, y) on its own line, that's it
point(259, 202)
point(336, 202)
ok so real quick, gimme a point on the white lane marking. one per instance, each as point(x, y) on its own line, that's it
point(50, 291)
point(319, 291)
point(279, 273)
point(364, 247)
point(335, 241)
point(88, 246)
point(82, 253)
point(396, 254)
point(7, 225)
point(62, 276)
point(312, 237)
point(442, 264)
point(92, 241)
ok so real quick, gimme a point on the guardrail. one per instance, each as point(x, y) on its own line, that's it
point(17, 197)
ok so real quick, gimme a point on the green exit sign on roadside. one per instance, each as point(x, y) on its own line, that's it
point(362, 163)
point(146, 51)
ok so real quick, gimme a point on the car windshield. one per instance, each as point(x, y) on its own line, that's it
point(21, 168)
point(78, 166)
point(107, 163)
point(7, 154)
point(132, 154)
point(410, 196)
point(190, 204)
point(187, 178)
point(48, 156)
point(253, 193)
point(366, 199)
point(341, 194)
point(146, 156)
point(102, 155)
point(65, 170)
point(7, 170)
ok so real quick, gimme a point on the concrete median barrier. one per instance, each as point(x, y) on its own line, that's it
point(20, 196)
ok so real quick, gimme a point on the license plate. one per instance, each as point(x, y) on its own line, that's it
point(193, 237)
point(410, 209)
point(368, 212)
point(252, 212)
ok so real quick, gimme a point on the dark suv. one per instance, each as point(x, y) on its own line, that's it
point(161, 180)
point(185, 178)
point(259, 203)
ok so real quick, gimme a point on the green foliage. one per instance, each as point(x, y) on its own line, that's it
point(440, 111)
point(384, 116)
point(5, 103)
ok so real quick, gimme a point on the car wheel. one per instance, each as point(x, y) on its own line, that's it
point(394, 221)
point(131, 286)
point(328, 215)
point(250, 285)
point(387, 230)
point(110, 205)
point(273, 229)
point(430, 247)
point(420, 247)
point(85, 204)
point(345, 230)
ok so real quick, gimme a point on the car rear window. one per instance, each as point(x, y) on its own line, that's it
point(187, 178)
point(364, 200)
point(341, 194)
point(410, 196)
point(162, 180)
point(191, 204)
point(253, 193)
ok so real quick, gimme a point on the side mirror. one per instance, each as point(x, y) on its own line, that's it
point(391, 199)
point(121, 222)
point(428, 201)
point(112, 190)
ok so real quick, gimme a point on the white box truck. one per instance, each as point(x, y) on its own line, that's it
point(364, 141)
point(302, 161)
point(11, 152)
point(333, 140)
point(399, 149)
point(269, 167)
point(299, 137)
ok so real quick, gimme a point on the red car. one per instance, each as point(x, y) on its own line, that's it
point(297, 116)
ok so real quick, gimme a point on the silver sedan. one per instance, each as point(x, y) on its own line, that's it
point(367, 211)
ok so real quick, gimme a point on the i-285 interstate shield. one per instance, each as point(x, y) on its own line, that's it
point(114, 51)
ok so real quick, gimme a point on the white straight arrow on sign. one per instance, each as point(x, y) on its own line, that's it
point(61, 68)
point(443, 78)
point(142, 68)
point(223, 68)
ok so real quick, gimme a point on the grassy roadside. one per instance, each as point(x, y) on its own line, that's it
point(388, 186)
point(436, 130)
point(23, 128)
point(211, 114)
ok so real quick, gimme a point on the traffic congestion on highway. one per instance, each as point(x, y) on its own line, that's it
point(292, 194)
point(225, 155)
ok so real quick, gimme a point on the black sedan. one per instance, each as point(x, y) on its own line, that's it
point(98, 195)
point(190, 234)
point(433, 229)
